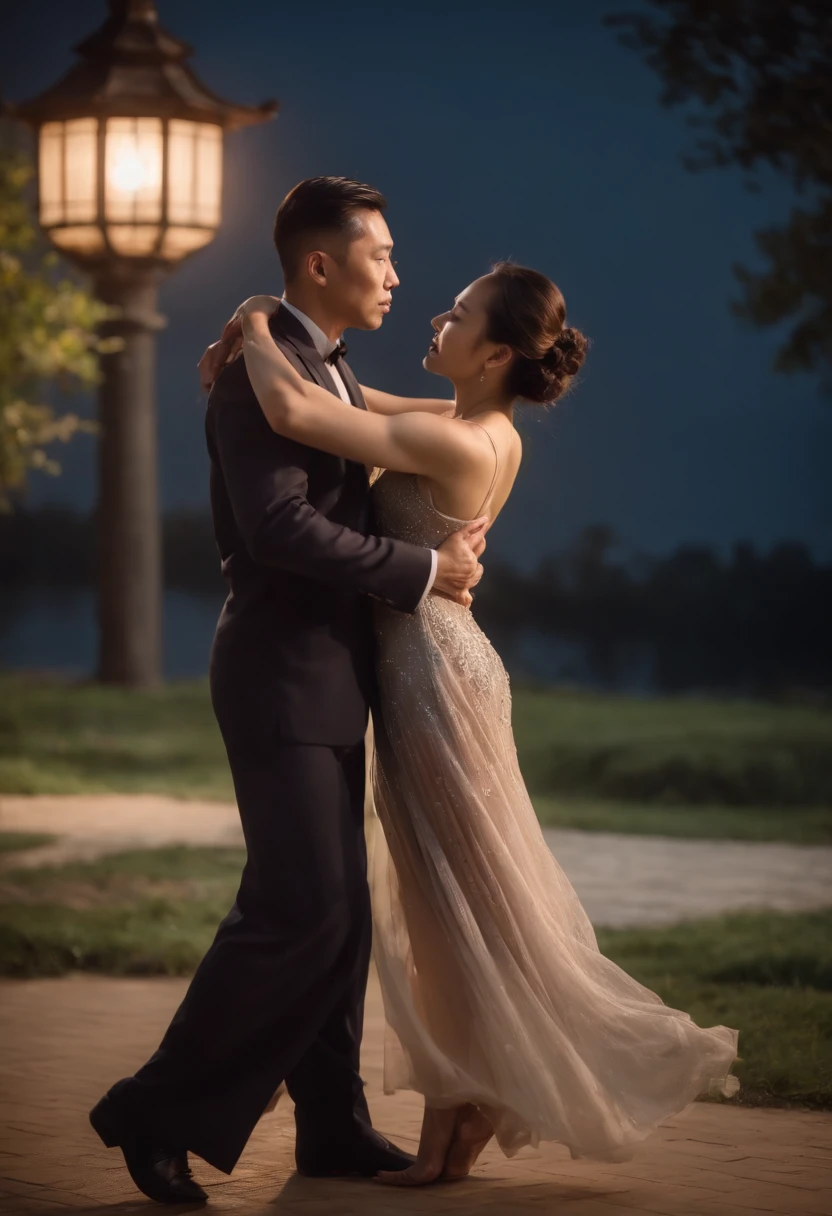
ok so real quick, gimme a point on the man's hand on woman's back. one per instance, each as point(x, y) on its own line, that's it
point(458, 568)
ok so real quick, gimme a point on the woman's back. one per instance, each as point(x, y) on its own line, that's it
point(485, 486)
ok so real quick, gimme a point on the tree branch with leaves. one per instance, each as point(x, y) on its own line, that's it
point(48, 335)
point(758, 76)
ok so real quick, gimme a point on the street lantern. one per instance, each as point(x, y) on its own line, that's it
point(129, 183)
point(130, 187)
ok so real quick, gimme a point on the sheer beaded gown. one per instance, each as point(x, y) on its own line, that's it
point(494, 989)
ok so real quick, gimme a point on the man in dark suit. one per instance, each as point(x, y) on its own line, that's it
point(279, 996)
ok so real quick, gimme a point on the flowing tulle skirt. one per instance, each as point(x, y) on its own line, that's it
point(494, 989)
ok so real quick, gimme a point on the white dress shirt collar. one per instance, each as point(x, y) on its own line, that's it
point(323, 345)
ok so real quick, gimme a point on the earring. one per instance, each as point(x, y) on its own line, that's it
point(482, 377)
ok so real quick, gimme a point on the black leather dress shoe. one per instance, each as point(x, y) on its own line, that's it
point(360, 1155)
point(160, 1173)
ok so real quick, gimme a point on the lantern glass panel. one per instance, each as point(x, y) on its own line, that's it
point(194, 173)
point(68, 153)
point(51, 151)
point(133, 170)
point(80, 158)
point(209, 175)
point(84, 239)
point(179, 242)
point(133, 240)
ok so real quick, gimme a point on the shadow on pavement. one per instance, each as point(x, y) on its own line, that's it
point(343, 1197)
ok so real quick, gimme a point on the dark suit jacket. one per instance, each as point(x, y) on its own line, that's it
point(292, 656)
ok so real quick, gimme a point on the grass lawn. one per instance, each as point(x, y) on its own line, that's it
point(797, 825)
point(11, 842)
point(59, 738)
point(769, 975)
point(745, 770)
point(675, 751)
point(155, 912)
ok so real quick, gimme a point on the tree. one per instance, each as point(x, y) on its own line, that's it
point(47, 334)
point(758, 74)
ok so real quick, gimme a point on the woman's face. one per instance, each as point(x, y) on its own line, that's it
point(459, 349)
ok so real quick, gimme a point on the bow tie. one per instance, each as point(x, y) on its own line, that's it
point(338, 352)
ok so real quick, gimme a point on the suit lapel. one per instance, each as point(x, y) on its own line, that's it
point(296, 343)
point(290, 330)
point(287, 328)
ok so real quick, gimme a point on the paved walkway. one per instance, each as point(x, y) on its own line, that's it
point(90, 825)
point(622, 880)
point(657, 880)
point(62, 1042)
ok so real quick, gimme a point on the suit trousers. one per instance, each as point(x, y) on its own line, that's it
point(280, 993)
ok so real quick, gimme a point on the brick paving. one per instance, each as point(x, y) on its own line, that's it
point(622, 880)
point(63, 1041)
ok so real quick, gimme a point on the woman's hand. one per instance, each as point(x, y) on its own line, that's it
point(231, 341)
point(215, 359)
point(254, 304)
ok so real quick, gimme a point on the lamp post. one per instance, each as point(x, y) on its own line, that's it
point(130, 181)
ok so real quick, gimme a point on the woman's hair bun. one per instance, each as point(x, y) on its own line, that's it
point(567, 353)
point(525, 311)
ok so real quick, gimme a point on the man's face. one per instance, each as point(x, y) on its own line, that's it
point(360, 282)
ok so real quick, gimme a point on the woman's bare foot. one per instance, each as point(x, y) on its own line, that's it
point(471, 1134)
point(438, 1127)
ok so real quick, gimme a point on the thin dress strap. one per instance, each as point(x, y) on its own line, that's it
point(496, 467)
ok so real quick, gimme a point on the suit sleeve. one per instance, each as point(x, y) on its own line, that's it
point(266, 478)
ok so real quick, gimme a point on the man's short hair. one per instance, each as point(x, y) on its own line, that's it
point(318, 207)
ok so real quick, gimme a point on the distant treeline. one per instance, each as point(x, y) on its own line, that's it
point(56, 547)
point(756, 622)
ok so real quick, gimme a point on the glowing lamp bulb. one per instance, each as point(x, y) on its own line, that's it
point(131, 172)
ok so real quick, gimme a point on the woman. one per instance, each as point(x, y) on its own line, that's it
point(500, 1008)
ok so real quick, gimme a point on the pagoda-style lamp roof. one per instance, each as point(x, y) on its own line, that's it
point(132, 67)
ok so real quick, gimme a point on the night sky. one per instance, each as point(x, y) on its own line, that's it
point(517, 130)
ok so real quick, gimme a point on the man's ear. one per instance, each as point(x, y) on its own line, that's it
point(316, 267)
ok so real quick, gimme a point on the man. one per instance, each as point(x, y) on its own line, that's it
point(279, 995)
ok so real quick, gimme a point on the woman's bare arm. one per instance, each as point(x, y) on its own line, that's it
point(388, 403)
point(229, 345)
point(417, 442)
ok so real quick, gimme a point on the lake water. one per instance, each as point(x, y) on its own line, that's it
point(56, 630)
point(51, 629)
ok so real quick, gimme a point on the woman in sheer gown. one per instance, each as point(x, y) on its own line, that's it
point(500, 1008)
